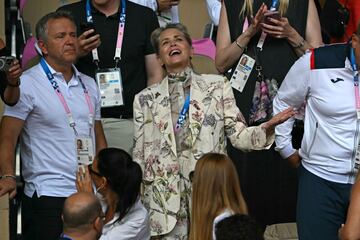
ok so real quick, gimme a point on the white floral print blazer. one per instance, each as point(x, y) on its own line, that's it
point(213, 117)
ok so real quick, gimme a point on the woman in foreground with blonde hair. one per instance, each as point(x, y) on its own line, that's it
point(216, 195)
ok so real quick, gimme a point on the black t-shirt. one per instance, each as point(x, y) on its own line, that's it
point(140, 22)
point(3, 80)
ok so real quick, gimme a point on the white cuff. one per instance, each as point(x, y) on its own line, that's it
point(286, 152)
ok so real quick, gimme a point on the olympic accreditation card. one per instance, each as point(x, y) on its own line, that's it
point(110, 84)
point(242, 72)
point(84, 150)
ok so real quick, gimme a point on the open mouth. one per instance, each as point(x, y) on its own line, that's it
point(174, 52)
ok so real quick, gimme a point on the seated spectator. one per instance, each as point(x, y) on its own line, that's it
point(216, 195)
point(238, 227)
point(82, 217)
point(9, 79)
point(117, 179)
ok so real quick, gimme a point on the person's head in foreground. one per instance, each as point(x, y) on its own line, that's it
point(117, 178)
point(82, 216)
point(216, 189)
point(238, 227)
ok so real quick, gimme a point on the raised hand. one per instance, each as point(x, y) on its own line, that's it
point(86, 43)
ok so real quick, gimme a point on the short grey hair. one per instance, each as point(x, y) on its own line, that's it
point(155, 35)
point(41, 25)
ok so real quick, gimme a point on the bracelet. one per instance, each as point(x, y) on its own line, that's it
point(8, 176)
point(17, 84)
point(300, 44)
point(238, 44)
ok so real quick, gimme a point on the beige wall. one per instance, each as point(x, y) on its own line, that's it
point(193, 14)
point(35, 9)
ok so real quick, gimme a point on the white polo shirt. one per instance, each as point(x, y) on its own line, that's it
point(48, 150)
point(135, 225)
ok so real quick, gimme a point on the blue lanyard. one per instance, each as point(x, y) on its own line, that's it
point(354, 66)
point(274, 5)
point(121, 30)
point(182, 116)
point(50, 77)
point(56, 88)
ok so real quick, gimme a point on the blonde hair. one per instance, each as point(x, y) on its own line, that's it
point(215, 188)
point(247, 9)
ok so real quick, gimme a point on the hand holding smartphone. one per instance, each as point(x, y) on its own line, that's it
point(273, 15)
point(85, 26)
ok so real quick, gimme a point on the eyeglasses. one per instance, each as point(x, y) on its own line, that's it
point(91, 170)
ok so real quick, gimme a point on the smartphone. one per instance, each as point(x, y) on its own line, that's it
point(6, 62)
point(85, 26)
point(271, 14)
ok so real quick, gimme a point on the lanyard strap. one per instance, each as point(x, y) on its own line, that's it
point(356, 80)
point(56, 88)
point(182, 115)
point(120, 35)
point(262, 38)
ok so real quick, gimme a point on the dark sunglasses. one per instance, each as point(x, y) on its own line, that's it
point(91, 170)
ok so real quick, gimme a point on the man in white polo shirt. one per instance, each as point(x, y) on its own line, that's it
point(58, 108)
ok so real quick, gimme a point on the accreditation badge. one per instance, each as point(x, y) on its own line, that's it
point(111, 88)
point(84, 150)
point(242, 72)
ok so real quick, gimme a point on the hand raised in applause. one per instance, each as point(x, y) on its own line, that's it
point(256, 21)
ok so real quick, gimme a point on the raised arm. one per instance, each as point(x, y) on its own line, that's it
point(227, 52)
point(248, 138)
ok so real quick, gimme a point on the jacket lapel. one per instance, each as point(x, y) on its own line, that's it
point(159, 105)
point(200, 92)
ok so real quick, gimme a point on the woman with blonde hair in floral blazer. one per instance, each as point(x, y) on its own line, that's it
point(168, 144)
